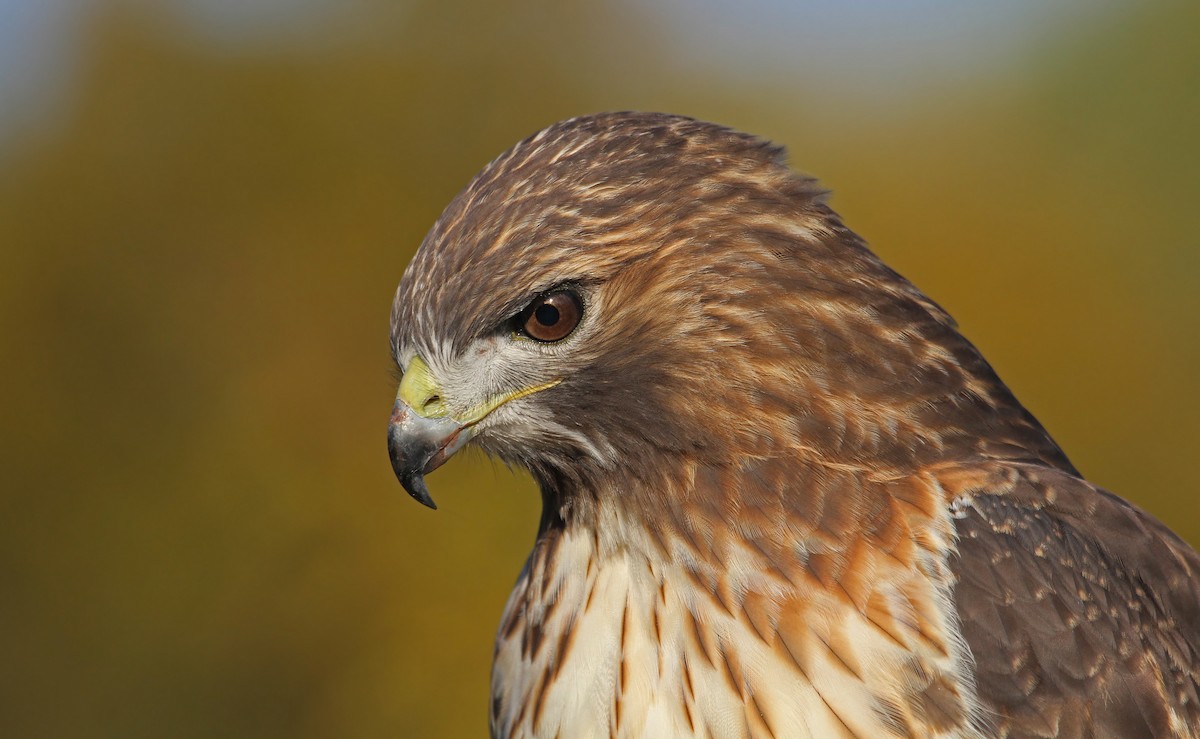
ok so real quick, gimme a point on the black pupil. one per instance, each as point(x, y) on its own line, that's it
point(546, 314)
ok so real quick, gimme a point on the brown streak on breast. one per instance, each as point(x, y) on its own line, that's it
point(768, 564)
point(549, 606)
point(539, 699)
point(550, 562)
point(513, 622)
point(692, 631)
point(704, 585)
point(687, 713)
point(658, 642)
point(618, 699)
point(926, 627)
point(792, 635)
point(846, 593)
point(687, 680)
point(823, 568)
point(621, 672)
point(704, 639)
point(534, 637)
point(897, 539)
point(519, 718)
point(726, 597)
point(837, 655)
point(758, 609)
point(793, 644)
point(566, 639)
point(858, 577)
point(878, 614)
point(700, 549)
point(753, 711)
point(660, 544)
point(845, 727)
point(587, 602)
point(733, 673)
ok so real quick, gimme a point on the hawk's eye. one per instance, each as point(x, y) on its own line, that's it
point(551, 317)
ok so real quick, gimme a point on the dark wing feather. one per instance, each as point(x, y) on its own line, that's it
point(1082, 612)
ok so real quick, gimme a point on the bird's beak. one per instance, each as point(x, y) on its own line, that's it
point(418, 445)
point(422, 434)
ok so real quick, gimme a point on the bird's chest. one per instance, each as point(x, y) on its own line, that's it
point(621, 646)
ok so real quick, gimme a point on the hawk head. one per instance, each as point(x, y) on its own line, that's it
point(624, 292)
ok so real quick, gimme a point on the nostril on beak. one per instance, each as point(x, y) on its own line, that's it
point(419, 390)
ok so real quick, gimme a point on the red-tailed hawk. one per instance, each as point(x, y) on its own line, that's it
point(783, 496)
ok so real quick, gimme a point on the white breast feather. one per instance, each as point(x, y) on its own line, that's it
point(592, 697)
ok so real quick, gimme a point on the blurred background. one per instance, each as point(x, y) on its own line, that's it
point(205, 206)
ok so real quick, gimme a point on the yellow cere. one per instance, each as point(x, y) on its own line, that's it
point(420, 391)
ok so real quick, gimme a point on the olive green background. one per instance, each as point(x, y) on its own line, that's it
point(200, 534)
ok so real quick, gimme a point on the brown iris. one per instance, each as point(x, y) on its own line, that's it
point(551, 317)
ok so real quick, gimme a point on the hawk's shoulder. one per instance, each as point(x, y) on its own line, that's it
point(1082, 611)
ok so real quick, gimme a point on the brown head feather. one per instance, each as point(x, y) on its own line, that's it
point(774, 464)
point(736, 315)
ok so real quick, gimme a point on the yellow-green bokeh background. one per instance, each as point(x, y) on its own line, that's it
point(201, 233)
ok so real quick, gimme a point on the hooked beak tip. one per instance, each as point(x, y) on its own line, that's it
point(414, 483)
point(417, 445)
